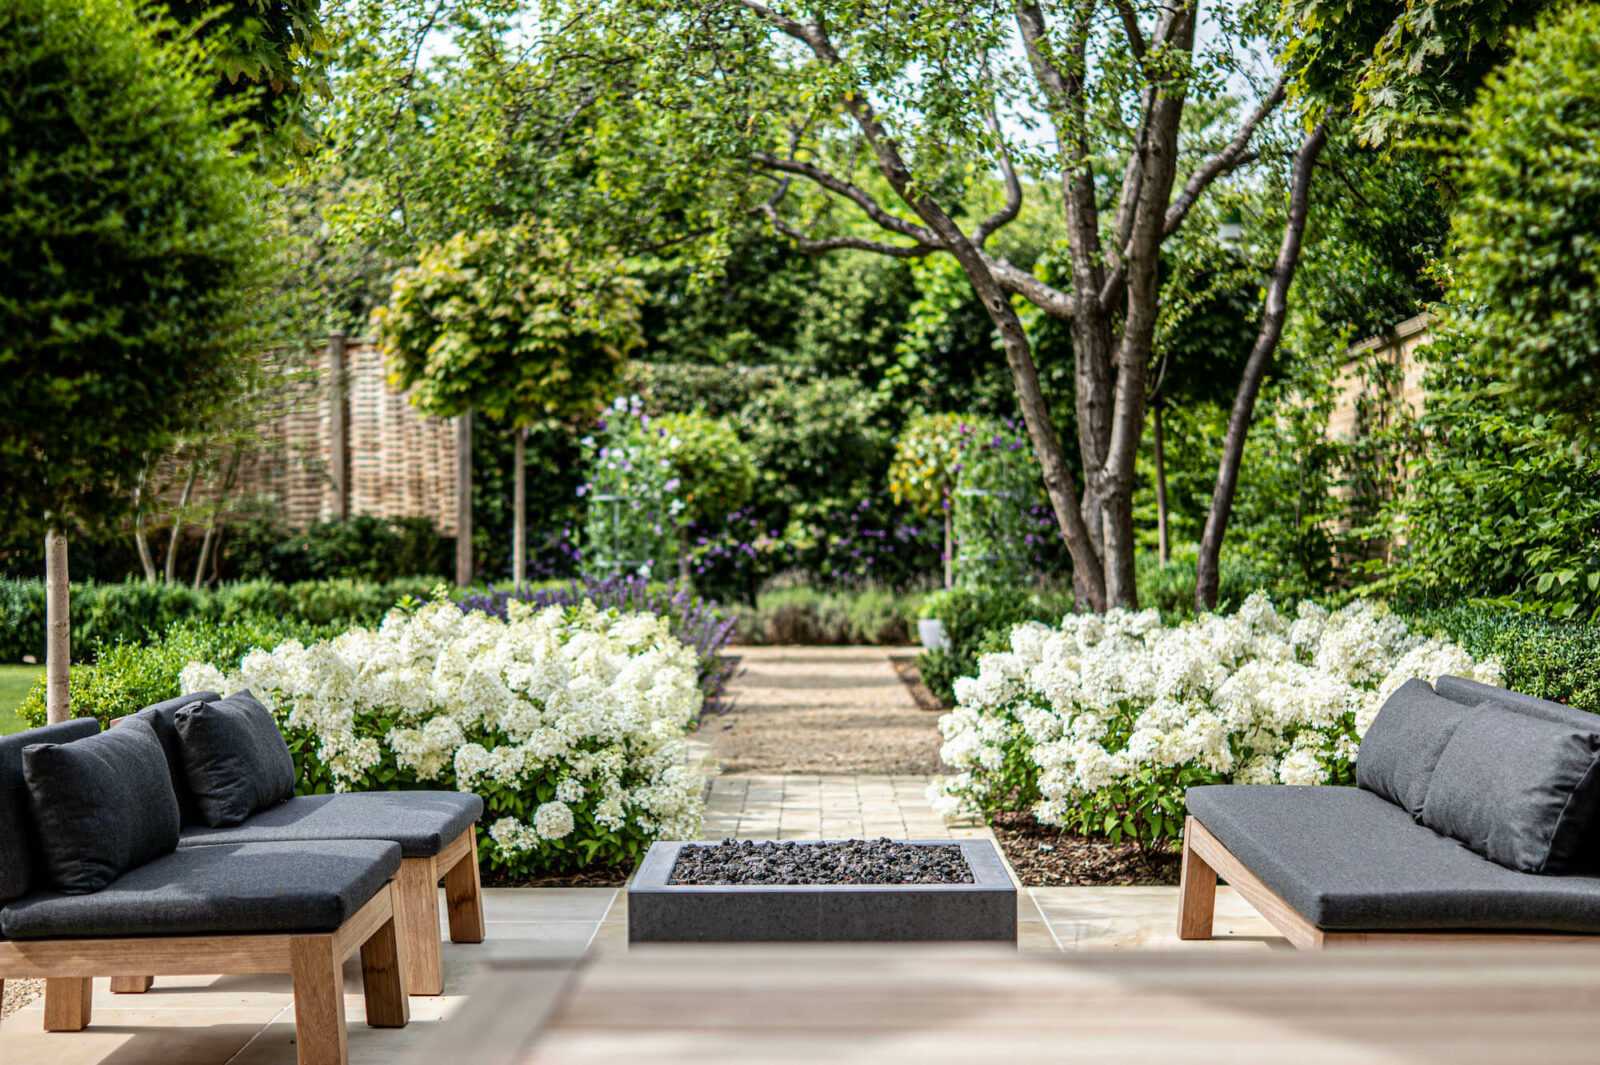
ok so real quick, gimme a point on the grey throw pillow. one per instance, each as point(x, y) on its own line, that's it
point(1518, 790)
point(103, 805)
point(21, 864)
point(1402, 746)
point(234, 758)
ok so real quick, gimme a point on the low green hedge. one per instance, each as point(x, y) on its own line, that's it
point(1541, 656)
point(125, 676)
point(804, 615)
point(136, 611)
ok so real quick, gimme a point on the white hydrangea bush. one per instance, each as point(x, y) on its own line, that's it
point(569, 722)
point(1105, 721)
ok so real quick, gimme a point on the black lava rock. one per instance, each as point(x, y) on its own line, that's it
point(856, 861)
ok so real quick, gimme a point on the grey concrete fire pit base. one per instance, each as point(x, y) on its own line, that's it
point(659, 912)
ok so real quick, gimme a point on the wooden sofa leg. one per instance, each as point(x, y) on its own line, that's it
point(463, 895)
point(383, 977)
point(318, 975)
point(67, 1003)
point(417, 921)
point(1197, 892)
point(131, 985)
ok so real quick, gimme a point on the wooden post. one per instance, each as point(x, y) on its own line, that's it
point(519, 507)
point(338, 426)
point(57, 629)
point(464, 499)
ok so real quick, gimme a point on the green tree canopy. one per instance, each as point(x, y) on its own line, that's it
point(132, 250)
point(1526, 232)
point(508, 323)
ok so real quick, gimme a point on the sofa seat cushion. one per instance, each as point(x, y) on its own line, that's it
point(234, 888)
point(422, 822)
point(1347, 860)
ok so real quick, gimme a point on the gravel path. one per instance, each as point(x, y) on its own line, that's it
point(18, 994)
point(823, 710)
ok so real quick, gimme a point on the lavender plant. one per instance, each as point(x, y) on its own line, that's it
point(698, 623)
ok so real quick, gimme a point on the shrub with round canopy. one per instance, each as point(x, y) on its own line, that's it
point(133, 256)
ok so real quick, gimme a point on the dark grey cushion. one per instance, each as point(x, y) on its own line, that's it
point(1472, 693)
point(250, 887)
point(1516, 789)
point(102, 805)
point(1402, 745)
point(1347, 860)
point(18, 842)
point(234, 758)
point(422, 822)
point(162, 717)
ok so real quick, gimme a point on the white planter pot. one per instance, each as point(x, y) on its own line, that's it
point(931, 632)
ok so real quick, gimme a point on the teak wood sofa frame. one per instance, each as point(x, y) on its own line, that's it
point(416, 912)
point(314, 961)
point(1205, 859)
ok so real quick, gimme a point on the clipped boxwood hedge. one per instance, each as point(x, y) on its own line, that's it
point(138, 611)
point(1549, 658)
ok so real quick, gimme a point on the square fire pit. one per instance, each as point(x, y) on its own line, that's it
point(663, 912)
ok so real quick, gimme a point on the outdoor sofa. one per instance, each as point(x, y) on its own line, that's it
point(1474, 817)
point(93, 883)
point(436, 832)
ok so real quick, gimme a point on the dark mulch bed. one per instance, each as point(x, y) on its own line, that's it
point(596, 875)
point(905, 667)
point(1044, 856)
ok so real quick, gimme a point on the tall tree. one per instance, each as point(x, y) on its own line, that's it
point(134, 259)
point(873, 127)
point(510, 324)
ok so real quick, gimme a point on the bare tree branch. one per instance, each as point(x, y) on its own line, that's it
point(1130, 24)
point(1017, 281)
point(1008, 173)
point(850, 191)
point(1237, 153)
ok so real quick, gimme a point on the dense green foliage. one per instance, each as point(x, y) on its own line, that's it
point(1498, 504)
point(127, 675)
point(132, 248)
point(1395, 60)
point(362, 548)
point(1558, 660)
point(1525, 269)
point(136, 612)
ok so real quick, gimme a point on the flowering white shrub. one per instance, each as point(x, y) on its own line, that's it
point(1103, 723)
point(569, 722)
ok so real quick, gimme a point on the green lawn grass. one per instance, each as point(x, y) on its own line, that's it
point(14, 684)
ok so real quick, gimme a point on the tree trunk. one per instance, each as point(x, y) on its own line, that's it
point(215, 520)
point(1163, 544)
point(1207, 566)
point(177, 521)
point(464, 499)
point(146, 559)
point(519, 508)
point(58, 629)
point(949, 547)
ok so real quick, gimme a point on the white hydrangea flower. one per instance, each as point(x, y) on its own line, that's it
point(1258, 696)
point(585, 696)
